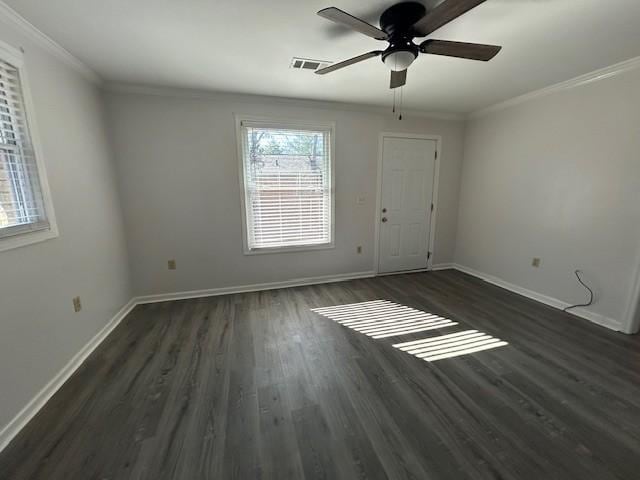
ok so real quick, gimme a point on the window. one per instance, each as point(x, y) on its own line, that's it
point(287, 186)
point(22, 204)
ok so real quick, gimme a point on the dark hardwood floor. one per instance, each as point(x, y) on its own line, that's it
point(257, 385)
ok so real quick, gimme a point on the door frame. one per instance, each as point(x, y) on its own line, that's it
point(434, 214)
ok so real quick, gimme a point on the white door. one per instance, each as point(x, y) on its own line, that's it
point(408, 169)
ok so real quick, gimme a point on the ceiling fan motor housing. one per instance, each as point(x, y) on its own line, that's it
point(397, 22)
point(401, 17)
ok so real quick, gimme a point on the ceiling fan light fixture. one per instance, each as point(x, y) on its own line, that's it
point(399, 60)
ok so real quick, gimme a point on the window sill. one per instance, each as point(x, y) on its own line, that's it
point(302, 248)
point(28, 238)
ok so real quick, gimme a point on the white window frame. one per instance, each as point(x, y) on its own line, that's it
point(15, 57)
point(293, 124)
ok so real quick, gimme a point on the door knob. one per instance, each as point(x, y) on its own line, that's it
point(384, 219)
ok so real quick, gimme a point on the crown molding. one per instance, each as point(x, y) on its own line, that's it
point(595, 76)
point(187, 93)
point(13, 18)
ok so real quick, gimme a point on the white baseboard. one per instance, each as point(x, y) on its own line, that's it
point(442, 266)
point(601, 320)
point(212, 292)
point(42, 397)
point(402, 272)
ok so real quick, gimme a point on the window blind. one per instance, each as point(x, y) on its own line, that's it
point(287, 186)
point(21, 202)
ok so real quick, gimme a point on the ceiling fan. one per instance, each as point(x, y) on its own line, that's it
point(399, 25)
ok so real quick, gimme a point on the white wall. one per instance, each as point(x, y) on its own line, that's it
point(557, 177)
point(178, 172)
point(39, 332)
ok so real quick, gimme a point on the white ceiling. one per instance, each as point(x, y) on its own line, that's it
point(247, 45)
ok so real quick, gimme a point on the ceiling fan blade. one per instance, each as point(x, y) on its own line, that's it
point(443, 14)
point(336, 15)
point(398, 79)
point(346, 63)
point(472, 51)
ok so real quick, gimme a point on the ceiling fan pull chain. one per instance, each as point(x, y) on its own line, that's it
point(401, 97)
point(394, 101)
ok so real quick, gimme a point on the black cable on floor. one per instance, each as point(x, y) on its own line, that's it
point(590, 302)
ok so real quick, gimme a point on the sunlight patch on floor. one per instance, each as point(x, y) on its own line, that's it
point(452, 345)
point(382, 319)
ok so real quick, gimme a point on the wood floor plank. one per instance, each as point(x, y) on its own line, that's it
point(257, 385)
point(279, 453)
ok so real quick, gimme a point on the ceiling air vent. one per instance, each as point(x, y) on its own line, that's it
point(308, 64)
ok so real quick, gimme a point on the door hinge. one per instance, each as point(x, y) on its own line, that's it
point(432, 207)
point(428, 255)
point(436, 154)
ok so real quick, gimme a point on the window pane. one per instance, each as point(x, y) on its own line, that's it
point(21, 204)
point(287, 187)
